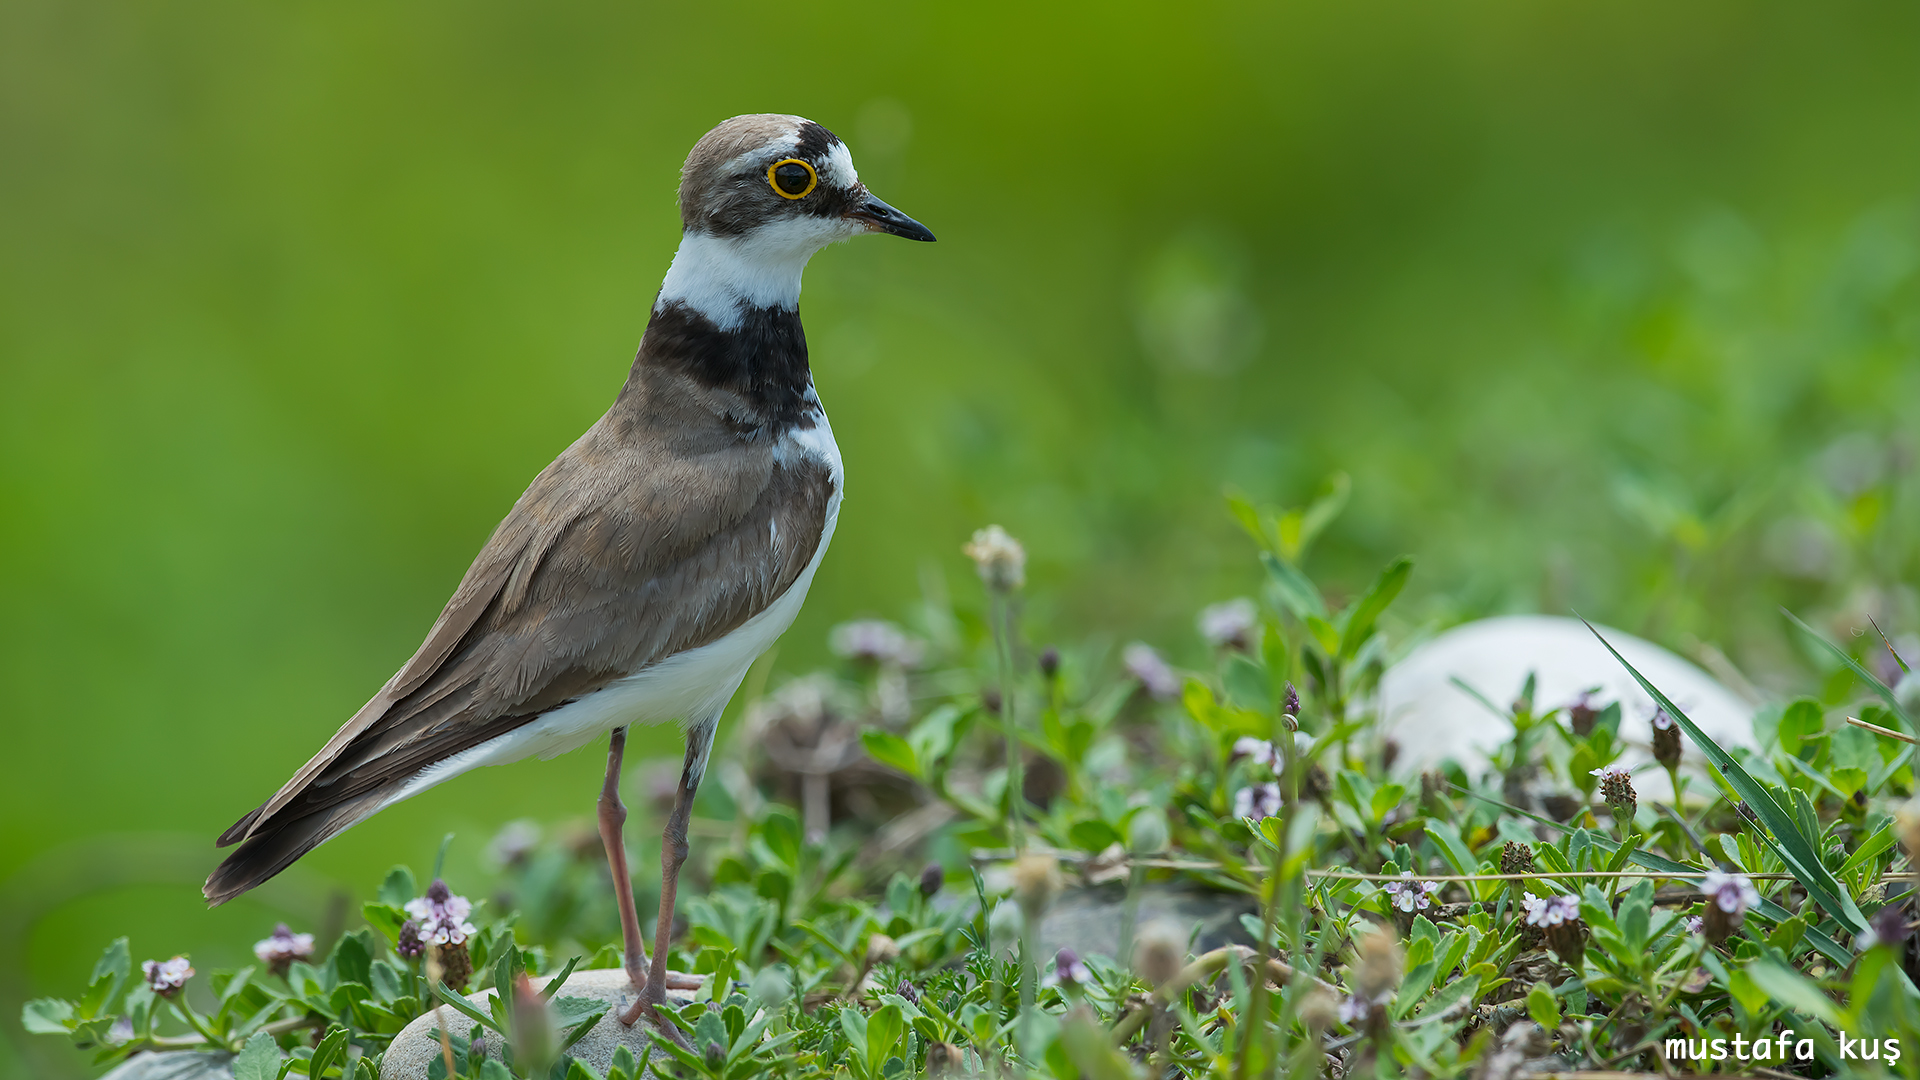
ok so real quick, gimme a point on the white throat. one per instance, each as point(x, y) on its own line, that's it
point(721, 276)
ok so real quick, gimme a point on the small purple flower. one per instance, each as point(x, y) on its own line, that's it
point(1230, 624)
point(1694, 924)
point(442, 915)
point(280, 950)
point(1357, 1009)
point(1291, 707)
point(1728, 898)
point(1152, 673)
point(1581, 715)
point(408, 943)
point(1611, 772)
point(875, 641)
point(1551, 911)
point(1731, 893)
point(1411, 895)
point(514, 843)
point(1257, 801)
point(166, 977)
point(1661, 721)
point(1260, 750)
point(1069, 970)
point(1888, 926)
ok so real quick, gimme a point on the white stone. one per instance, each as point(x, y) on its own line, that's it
point(1433, 720)
point(413, 1050)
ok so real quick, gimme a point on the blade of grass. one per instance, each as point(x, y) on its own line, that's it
point(1880, 689)
point(1793, 847)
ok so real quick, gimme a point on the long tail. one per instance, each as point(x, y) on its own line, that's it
point(278, 842)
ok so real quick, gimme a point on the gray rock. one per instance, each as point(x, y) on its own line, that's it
point(1425, 711)
point(413, 1050)
point(174, 1065)
point(1088, 920)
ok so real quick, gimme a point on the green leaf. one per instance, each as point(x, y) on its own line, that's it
point(259, 1059)
point(47, 1016)
point(884, 1028)
point(1794, 990)
point(1454, 995)
point(1458, 854)
point(1366, 612)
point(461, 1004)
point(1543, 1006)
point(1094, 835)
point(554, 984)
point(1091, 1049)
point(108, 981)
point(1881, 689)
point(399, 887)
point(332, 1045)
point(1874, 845)
point(1803, 719)
point(1795, 849)
point(1324, 634)
point(891, 750)
point(351, 959)
point(1296, 592)
point(1748, 993)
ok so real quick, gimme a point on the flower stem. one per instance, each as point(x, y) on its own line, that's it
point(1002, 619)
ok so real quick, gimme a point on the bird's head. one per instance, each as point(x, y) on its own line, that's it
point(758, 196)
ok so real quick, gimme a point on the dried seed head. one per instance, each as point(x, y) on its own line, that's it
point(1666, 740)
point(881, 949)
point(1616, 786)
point(1581, 715)
point(1319, 1011)
point(1516, 858)
point(1036, 881)
point(932, 878)
point(1159, 952)
point(456, 966)
point(999, 558)
point(943, 1059)
point(1049, 663)
point(1381, 963)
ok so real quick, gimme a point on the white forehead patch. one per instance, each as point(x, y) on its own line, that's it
point(838, 170)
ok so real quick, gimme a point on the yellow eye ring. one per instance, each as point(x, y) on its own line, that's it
point(813, 179)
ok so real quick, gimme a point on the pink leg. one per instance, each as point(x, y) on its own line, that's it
point(673, 854)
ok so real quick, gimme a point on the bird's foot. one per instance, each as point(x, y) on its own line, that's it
point(647, 1003)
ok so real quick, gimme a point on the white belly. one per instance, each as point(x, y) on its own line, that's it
point(691, 687)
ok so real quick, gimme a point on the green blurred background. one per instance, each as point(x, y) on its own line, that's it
point(1602, 306)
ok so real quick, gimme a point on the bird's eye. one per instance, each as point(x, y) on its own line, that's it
point(792, 178)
